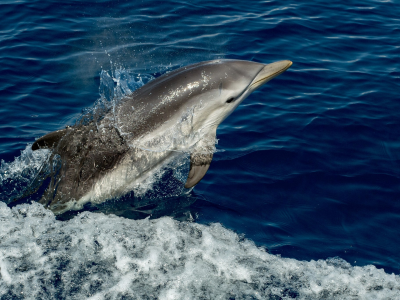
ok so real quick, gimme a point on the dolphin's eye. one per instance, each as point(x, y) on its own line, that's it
point(230, 100)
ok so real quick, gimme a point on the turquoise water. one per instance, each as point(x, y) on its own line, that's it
point(302, 195)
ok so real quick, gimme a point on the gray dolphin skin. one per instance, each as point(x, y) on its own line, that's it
point(178, 112)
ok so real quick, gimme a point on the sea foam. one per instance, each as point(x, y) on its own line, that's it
point(99, 256)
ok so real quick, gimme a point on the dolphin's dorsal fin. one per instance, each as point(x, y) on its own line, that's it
point(200, 159)
point(49, 140)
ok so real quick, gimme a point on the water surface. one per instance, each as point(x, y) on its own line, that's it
point(307, 167)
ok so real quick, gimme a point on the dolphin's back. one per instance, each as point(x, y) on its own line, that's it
point(167, 96)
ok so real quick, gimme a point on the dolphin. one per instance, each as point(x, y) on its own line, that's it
point(177, 112)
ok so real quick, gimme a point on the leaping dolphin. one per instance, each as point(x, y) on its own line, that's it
point(179, 111)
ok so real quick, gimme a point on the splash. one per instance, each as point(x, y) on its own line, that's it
point(115, 85)
point(161, 183)
point(23, 174)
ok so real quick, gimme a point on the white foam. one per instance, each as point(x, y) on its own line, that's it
point(97, 256)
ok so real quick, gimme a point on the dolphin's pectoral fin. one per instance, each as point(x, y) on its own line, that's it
point(49, 140)
point(199, 164)
point(200, 159)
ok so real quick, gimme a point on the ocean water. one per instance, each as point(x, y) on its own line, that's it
point(301, 200)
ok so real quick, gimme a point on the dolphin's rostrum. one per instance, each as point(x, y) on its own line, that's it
point(177, 112)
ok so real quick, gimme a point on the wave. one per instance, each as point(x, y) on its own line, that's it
point(99, 256)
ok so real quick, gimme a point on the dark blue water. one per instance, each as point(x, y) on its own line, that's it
point(310, 167)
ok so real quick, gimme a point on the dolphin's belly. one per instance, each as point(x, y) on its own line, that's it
point(136, 166)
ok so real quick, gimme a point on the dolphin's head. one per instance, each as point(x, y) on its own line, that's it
point(232, 82)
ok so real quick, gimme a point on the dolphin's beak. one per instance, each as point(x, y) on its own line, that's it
point(268, 72)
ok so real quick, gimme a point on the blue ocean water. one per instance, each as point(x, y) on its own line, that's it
point(308, 167)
